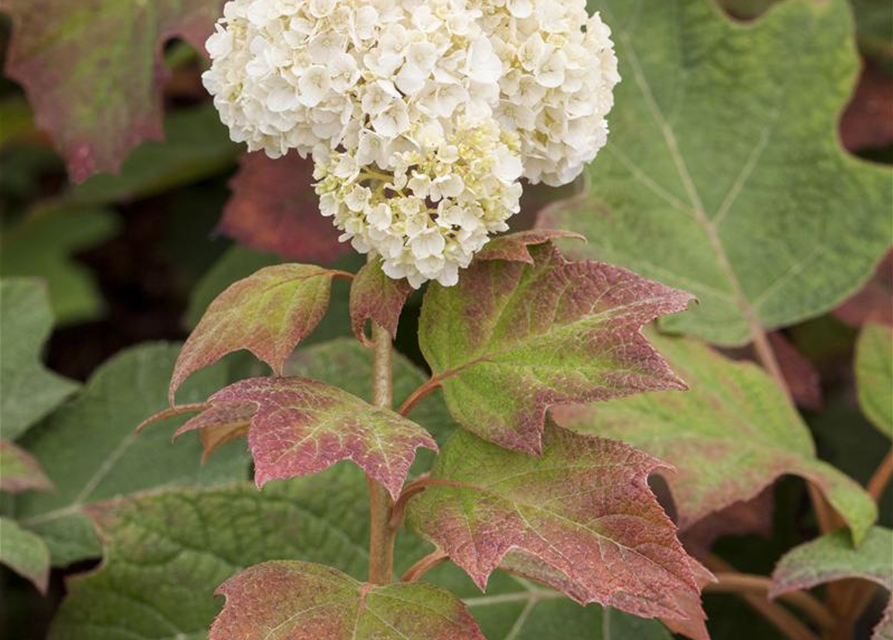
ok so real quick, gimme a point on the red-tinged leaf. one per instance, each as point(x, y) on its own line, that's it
point(223, 424)
point(730, 436)
point(802, 379)
point(515, 247)
point(24, 552)
point(267, 313)
point(303, 601)
point(867, 122)
point(274, 209)
point(747, 517)
point(302, 426)
point(19, 471)
point(874, 301)
point(583, 511)
point(511, 339)
point(832, 557)
point(92, 70)
point(374, 296)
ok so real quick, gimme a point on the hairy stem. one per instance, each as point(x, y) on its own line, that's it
point(416, 396)
point(382, 534)
point(783, 619)
point(424, 565)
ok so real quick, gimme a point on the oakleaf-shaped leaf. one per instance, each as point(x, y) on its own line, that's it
point(583, 509)
point(724, 174)
point(89, 451)
point(30, 391)
point(374, 296)
point(274, 209)
point(515, 247)
point(93, 73)
point(511, 339)
point(303, 426)
point(19, 471)
point(267, 313)
point(831, 558)
point(732, 434)
point(303, 601)
point(874, 375)
point(25, 553)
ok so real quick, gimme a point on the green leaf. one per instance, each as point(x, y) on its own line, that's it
point(580, 518)
point(19, 471)
point(94, 72)
point(702, 184)
point(304, 601)
point(43, 243)
point(267, 313)
point(832, 558)
point(30, 391)
point(376, 297)
point(874, 375)
point(91, 453)
point(196, 146)
point(299, 426)
point(728, 437)
point(25, 553)
point(513, 338)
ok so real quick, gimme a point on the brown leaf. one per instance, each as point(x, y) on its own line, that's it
point(867, 122)
point(874, 301)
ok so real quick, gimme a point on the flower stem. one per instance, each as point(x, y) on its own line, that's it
point(382, 534)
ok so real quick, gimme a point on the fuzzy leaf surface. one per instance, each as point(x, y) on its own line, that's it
point(512, 339)
point(702, 184)
point(93, 74)
point(274, 209)
point(25, 553)
point(515, 247)
point(313, 601)
point(19, 471)
point(376, 297)
point(301, 426)
point(267, 313)
point(30, 390)
point(732, 434)
point(832, 557)
point(583, 509)
point(90, 452)
point(874, 375)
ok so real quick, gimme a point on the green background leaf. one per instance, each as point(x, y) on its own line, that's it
point(703, 184)
point(25, 553)
point(874, 375)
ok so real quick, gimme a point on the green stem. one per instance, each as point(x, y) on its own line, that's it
point(382, 534)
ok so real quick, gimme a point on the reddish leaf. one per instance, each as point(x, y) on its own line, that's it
point(874, 301)
point(302, 426)
point(92, 70)
point(581, 518)
point(511, 339)
point(867, 122)
point(303, 601)
point(19, 471)
point(741, 518)
point(267, 313)
point(274, 209)
point(515, 247)
point(801, 377)
point(374, 296)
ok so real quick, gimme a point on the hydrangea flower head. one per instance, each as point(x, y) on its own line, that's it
point(421, 116)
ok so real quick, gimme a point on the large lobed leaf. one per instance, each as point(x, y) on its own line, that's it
point(30, 391)
point(297, 426)
point(832, 558)
point(724, 174)
point(312, 602)
point(93, 73)
point(730, 436)
point(513, 338)
point(580, 518)
point(874, 375)
point(89, 450)
point(267, 313)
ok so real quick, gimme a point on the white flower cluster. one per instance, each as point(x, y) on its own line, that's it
point(420, 115)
